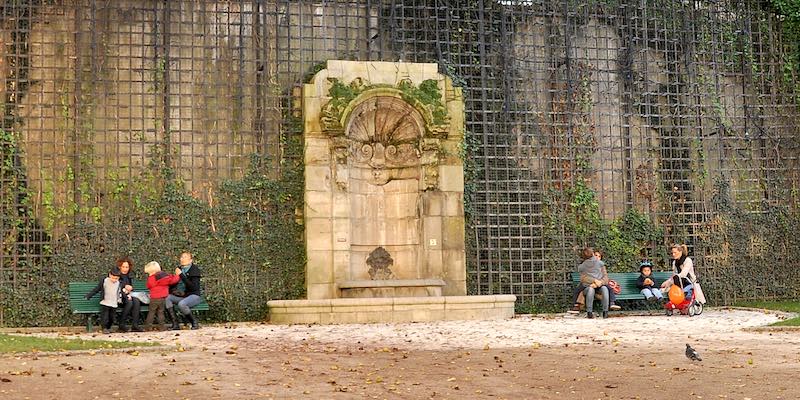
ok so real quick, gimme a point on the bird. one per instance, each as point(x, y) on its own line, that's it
point(692, 354)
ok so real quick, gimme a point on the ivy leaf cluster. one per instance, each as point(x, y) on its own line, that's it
point(246, 238)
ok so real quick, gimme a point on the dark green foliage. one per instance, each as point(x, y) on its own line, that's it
point(472, 167)
point(627, 240)
point(12, 179)
point(313, 71)
point(750, 255)
point(247, 240)
point(528, 307)
point(788, 12)
point(427, 94)
point(624, 241)
point(341, 94)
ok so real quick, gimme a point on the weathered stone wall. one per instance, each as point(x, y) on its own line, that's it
point(103, 78)
point(602, 105)
point(589, 123)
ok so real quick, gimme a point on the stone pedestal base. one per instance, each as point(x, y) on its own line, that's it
point(398, 309)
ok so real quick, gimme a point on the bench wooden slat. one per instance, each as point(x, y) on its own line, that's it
point(627, 282)
point(79, 305)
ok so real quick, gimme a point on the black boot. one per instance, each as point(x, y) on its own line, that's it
point(176, 326)
point(123, 327)
point(192, 320)
point(589, 314)
point(135, 315)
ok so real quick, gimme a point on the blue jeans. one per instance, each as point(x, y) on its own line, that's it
point(688, 290)
point(588, 294)
point(648, 293)
point(185, 304)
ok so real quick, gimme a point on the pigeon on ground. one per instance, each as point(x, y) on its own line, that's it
point(692, 354)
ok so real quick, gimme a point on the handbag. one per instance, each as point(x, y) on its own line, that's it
point(143, 297)
point(614, 285)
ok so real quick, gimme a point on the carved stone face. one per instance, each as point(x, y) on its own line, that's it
point(384, 134)
point(379, 261)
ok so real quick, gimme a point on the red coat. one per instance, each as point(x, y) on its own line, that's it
point(159, 284)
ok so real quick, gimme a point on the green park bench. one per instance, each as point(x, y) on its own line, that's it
point(79, 305)
point(627, 283)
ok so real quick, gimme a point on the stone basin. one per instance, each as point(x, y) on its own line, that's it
point(383, 288)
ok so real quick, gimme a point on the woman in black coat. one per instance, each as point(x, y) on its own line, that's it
point(131, 306)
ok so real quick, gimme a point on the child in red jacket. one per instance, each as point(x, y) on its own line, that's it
point(158, 282)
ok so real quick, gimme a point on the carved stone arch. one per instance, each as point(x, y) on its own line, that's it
point(393, 100)
point(387, 136)
point(393, 118)
point(385, 132)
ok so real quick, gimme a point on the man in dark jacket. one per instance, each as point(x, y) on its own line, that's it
point(186, 293)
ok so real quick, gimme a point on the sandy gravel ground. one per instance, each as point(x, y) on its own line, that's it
point(535, 357)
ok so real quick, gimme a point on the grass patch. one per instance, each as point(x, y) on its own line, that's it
point(788, 322)
point(788, 306)
point(20, 344)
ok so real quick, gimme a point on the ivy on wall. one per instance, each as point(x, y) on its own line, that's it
point(427, 94)
point(12, 187)
point(247, 238)
point(624, 241)
point(749, 255)
point(788, 12)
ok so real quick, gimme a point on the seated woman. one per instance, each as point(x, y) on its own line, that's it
point(131, 306)
point(594, 278)
point(682, 268)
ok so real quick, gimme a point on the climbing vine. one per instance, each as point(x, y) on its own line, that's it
point(249, 243)
point(624, 241)
point(426, 94)
point(745, 251)
point(788, 13)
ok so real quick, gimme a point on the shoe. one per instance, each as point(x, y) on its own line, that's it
point(176, 326)
point(107, 331)
point(651, 299)
point(605, 314)
point(192, 320)
point(614, 307)
point(123, 328)
point(590, 315)
point(137, 328)
point(574, 310)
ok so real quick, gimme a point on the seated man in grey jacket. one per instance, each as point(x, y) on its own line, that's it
point(594, 278)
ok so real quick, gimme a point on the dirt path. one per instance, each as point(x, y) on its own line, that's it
point(529, 357)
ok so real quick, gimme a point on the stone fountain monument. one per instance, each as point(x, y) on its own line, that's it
point(384, 208)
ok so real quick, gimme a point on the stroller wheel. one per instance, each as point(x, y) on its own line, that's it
point(691, 310)
point(669, 312)
point(699, 309)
